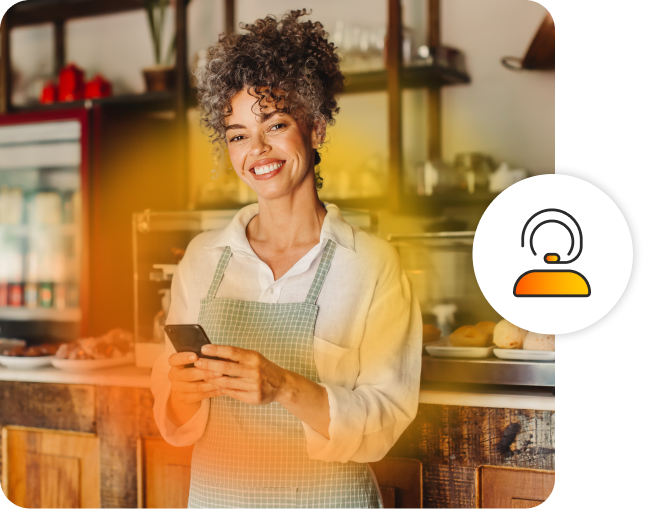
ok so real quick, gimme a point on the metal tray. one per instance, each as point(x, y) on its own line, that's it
point(489, 371)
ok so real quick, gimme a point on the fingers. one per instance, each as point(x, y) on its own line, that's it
point(232, 353)
point(181, 359)
point(223, 367)
point(243, 384)
point(186, 374)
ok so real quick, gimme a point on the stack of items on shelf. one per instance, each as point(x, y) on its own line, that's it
point(37, 262)
point(471, 172)
point(71, 86)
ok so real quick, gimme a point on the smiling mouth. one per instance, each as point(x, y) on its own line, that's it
point(267, 168)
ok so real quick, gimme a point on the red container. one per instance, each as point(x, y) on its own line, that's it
point(98, 87)
point(49, 93)
point(71, 85)
point(4, 294)
point(16, 292)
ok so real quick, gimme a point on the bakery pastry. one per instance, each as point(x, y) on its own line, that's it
point(487, 328)
point(430, 333)
point(535, 341)
point(468, 335)
point(507, 335)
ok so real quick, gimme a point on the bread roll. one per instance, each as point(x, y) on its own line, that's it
point(487, 328)
point(468, 335)
point(535, 341)
point(507, 335)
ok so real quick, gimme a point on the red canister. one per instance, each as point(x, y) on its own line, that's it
point(71, 85)
point(49, 93)
point(16, 292)
point(98, 87)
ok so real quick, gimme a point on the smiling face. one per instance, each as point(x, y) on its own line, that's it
point(274, 157)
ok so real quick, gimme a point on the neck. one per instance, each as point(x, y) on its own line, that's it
point(292, 220)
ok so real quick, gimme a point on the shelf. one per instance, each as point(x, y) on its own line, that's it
point(440, 200)
point(376, 81)
point(411, 77)
point(24, 230)
point(32, 12)
point(488, 371)
point(373, 81)
point(160, 99)
point(40, 314)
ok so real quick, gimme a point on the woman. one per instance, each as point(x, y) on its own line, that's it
point(316, 324)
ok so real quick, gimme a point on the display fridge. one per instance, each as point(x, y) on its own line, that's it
point(44, 224)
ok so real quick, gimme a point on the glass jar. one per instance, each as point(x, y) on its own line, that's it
point(472, 170)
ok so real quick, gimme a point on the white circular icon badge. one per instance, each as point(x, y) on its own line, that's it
point(552, 254)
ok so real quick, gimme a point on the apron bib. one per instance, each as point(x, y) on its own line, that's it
point(256, 456)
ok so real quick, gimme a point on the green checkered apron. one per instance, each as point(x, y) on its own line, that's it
point(256, 456)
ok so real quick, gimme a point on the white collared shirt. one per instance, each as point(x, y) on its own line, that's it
point(367, 337)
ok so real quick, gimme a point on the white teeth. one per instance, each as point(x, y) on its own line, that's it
point(261, 170)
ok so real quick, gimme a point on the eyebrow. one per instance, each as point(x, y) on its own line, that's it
point(240, 126)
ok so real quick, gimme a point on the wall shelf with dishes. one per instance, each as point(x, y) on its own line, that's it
point(411, 77)
point(40, 314)
point(389, 58)
point(157, 100)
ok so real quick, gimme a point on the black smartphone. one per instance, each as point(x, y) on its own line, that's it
point(189, 338)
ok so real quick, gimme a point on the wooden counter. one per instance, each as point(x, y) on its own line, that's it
point(452, 441)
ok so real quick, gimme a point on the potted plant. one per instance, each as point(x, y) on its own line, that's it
point(161, 76)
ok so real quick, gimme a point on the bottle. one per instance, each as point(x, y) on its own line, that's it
point(158, 334)
point(14, 269)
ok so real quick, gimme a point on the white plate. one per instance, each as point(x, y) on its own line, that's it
point(91, 364)
point(524, 355)
point(25, 362)
point(443, 348)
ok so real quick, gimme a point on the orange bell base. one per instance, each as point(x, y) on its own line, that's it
point(552, 283)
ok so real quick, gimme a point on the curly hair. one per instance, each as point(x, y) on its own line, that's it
point(288, 64)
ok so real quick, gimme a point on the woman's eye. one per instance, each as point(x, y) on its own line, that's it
point(275, 127)
point(235, 138)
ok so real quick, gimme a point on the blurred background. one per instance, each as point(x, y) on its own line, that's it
point(105, 171)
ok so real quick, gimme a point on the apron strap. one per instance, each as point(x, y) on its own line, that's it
point(321, 273)
point(219, 272)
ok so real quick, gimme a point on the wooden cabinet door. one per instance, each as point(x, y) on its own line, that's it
point(163, 473)
point(47, 468)
point(508, 487)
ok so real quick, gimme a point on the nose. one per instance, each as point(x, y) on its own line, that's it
point(259, 145)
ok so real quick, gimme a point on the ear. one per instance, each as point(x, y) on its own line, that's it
point(318, 134)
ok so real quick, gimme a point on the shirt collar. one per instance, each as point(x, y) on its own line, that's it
point(334, 228)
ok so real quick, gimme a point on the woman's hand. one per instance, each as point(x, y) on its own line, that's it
point(187, 388)
point(250, 377)
point(246, 375)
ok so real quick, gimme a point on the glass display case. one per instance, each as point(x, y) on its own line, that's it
point(440, 268)
point(159, 240)
point(42, 168)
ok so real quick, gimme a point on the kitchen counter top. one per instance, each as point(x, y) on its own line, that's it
point(433, 393)
point(122, 376)
point(487, 396)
